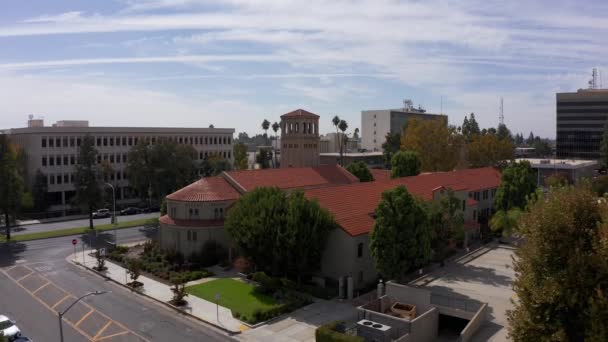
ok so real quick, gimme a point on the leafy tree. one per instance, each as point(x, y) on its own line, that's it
point(438, 145)
point(361, 171)
point(263, 158)
point(280, 233)
point(541, 148)
point(530, 140)
point(214, 165)
point(39, 191)
point(447, 220)
point(356, 133)
point(557, 180)
point(517, 183)
point(562, 269)
point(391, 146)
point(470, 128)
point(489, 150)
point(134, 267)
point(600, 185)
point(86, 182)
point(504, 223)
point(519, 139)
point(404, 164)
point(240, 156)
point(503, 133)
point(604, 147)
point(140, 169)
point(11, 182)
point(401, 239)
point(178, 281)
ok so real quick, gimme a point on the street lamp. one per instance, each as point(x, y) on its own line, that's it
point(61, 314)
point(113, 211)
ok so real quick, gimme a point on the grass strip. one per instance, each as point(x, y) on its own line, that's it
point(73, 231)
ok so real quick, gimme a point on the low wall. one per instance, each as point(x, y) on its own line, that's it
point(425, 327)
point(410, 295)
point(474, 324)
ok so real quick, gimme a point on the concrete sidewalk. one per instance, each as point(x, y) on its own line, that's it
point(207, 311)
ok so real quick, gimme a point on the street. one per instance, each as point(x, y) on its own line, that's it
point(36, 281)
point(43, 227)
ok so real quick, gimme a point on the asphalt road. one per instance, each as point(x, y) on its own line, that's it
point(43, 227)
point(31, 273)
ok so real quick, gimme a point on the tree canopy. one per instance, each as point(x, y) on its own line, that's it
point(401, 239)
point(89, 192)
point(447, 220)
point(562, 269)
point(489, 150)
point(391, 146)
point(11, 182)
point(437, 145)
point(404, 164)
point(361, 171)
point(470, 128)
point(517, 182)
point(240, 156)
point(282, 234)
point(604, 147)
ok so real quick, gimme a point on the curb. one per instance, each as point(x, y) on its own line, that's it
point(175, 308)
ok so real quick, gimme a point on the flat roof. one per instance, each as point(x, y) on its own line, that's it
point(351, 154)
point(81, 130)
point(544, 163)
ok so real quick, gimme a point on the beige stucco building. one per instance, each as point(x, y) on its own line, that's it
point(299, 139)
point(54, 151)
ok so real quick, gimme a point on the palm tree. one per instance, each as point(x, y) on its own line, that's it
point(356, 134)
point(265, 126)
point(342, 125)
point(275, 128)
point(336, 122)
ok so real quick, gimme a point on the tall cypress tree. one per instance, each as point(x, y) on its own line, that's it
point(88, 188)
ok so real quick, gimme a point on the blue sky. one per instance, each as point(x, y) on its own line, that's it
point(233, 63)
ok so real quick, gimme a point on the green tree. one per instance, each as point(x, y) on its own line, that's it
point(489, 150)
point(265, 127)
point(438, 145)
point(503, 133)
point(282, 234)
point(517, 183)
point(39, 191)
point(240, 156)
point(604, 147)
point(447, 220)
point(404, 164)
point(140, 169)
point(470, 128)
point(600, 185)
point(542, 148)
point(356, 133)
point(88, 190)
point(11, 183)
point(530, 140)
point(401, 239)
point(391, 146)
point(275, 128)
point(562, 269)
point(504, 223)
point(361, 171)
point(342, 139)
point(263, 158)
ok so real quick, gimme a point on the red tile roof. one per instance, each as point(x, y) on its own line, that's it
point(352, 205)
point(207, 189)
point(381, 174)
point(190, 223)
point(300, 113)
point(291, 178)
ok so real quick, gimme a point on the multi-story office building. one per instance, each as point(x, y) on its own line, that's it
point(375, 124)
point(54, 151)
point(581, 117)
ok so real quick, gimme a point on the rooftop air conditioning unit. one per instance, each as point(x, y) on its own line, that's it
point(373, 331)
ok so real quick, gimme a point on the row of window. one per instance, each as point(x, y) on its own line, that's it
point(307, 127)
point(297, 145)
point(224, 154)
point(68, 178)
point(132, 141)
point(484, 194)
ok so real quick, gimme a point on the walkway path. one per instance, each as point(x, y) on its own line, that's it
point(202, 309)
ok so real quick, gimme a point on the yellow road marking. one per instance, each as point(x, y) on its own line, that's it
point(85, 317)
point(25, 276)
point(61, 301)
point(102, 330)
point(243, 327)
point(113, 335)
point(10, 268)
point(41, 287)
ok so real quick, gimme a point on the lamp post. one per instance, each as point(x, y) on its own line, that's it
point(61, 314)
point(113, 212)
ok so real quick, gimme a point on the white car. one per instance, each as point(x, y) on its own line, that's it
point(8, 327)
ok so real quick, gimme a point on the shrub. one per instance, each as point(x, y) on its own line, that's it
point(328, 333)
point(267, 284)
point(101, 261)
point(236, 314)
point(120, 249)
point(134, 267)
point(178, 289)
point(211, 254)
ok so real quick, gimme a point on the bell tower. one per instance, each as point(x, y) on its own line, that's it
point(299, 139)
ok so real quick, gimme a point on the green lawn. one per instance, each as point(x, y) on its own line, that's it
point(73, 231)
point(235, 295)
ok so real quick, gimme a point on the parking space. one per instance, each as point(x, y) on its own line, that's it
point(85, 319)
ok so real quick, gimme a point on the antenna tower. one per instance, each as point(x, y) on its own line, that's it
point(594, 81)
point(501, 114)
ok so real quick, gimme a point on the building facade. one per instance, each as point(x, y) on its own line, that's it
point(580, 118)
point(54, 151)
point(299, 139)
point(376, 124)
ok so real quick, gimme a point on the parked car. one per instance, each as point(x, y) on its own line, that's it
point(102, 213)
point(130, 211)
point(8, 328)
point(152, 209)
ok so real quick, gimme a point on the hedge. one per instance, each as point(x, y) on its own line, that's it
point(327, 333)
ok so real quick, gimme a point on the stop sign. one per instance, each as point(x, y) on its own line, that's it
point(74, 242)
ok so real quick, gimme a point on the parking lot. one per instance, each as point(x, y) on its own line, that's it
point(486, 276)
point(92, 324)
